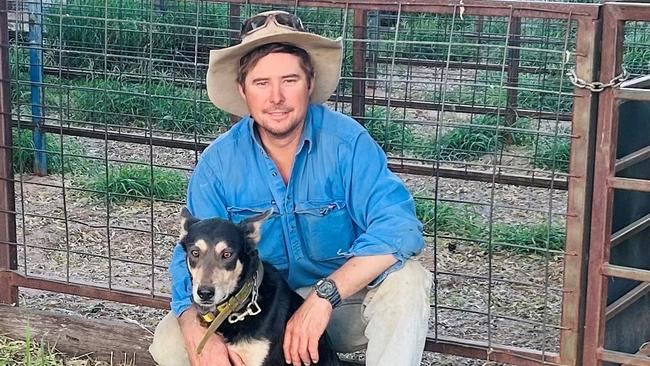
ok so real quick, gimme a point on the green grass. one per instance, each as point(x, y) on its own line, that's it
point(169, 107)
point(327, 22)
point(135, 182)
point(392, 136)
point(130, 28)
point(480, 137)
point(461, 143)
point(23, 153)
point(636, 55)
point(27, 353)
point(529, 236)
point(535, 92)
point(552, 153)
point(466, 143)
point(476, 139)
point(432, 34)
point(465, 223)
point(18, 57)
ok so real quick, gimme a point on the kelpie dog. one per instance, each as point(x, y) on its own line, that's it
point(228, 277)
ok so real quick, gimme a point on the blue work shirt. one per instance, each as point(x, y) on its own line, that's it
point(341, 200)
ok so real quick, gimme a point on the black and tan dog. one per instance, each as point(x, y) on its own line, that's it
point(231, 285)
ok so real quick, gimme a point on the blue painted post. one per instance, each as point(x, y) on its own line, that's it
point(35, 37)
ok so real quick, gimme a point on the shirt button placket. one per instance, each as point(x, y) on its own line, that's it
point(295, 240)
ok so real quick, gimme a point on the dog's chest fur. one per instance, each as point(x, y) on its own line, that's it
point(258, 339)
point(253, 351)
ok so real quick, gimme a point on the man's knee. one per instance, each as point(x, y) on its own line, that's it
point(406, 288)
point(168, 347)
point(412, 278)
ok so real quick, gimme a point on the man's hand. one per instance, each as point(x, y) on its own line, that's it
point(304, 330)
point(215, 352)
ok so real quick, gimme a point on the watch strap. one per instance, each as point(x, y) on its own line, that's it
point(334, 298)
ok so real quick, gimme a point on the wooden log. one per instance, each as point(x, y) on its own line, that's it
point(102, 340)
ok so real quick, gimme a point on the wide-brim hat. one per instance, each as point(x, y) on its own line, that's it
point(326, 57)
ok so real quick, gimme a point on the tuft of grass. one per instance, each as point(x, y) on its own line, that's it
point(521, 138)
point(529, 236)
point(169, 107)
point(478, 138)
point(552, 154)
point(470, 142)
point(27, 353)
point(392, 136)
point(537, 92)
point(23, 153)
point(18, 59)
point(135, 182)
point(465, 223)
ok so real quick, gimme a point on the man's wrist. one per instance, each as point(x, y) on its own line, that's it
point(326, 289)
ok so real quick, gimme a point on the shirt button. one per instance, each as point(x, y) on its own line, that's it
point(274, 174)
point(273, 202)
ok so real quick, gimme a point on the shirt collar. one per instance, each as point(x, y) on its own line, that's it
point(307, 132)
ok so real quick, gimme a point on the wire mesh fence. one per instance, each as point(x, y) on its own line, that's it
point(473, 109)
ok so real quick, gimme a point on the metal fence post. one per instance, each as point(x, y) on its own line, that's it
point(8, 257)
point(513, 74)
point(579, 198)
point(36, 79)
point(359, 65)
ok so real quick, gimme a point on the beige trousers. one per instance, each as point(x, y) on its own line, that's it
point(390, 321)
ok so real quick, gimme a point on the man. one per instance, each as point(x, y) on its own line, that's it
point(343, 226)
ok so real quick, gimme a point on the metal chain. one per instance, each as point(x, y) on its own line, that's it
point(253, 308)
point(597, 86)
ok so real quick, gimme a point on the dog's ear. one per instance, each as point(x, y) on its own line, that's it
point(187, 220)
point(252, 225)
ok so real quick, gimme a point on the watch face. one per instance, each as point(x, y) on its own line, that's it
point(326, 288)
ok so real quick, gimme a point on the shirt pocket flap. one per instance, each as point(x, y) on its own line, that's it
point(327, 227)
point(320, 208)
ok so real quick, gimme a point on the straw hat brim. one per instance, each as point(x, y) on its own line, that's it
point(326, 57)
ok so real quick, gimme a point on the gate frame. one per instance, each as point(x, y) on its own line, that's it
point(605, 181)
point(578, 205)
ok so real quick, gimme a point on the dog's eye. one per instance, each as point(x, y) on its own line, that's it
point(226, 254)
point(195, 253)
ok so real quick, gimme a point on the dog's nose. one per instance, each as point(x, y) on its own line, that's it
point(205, 293)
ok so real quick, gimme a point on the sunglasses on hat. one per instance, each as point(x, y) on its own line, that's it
point(282, 19)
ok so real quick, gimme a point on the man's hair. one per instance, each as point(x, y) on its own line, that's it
point(249, 60)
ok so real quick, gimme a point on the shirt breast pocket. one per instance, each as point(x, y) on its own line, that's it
point(327, 229)
point(271, 246)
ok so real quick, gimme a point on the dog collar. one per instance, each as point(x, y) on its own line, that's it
point(233, 303)
point(228, 308)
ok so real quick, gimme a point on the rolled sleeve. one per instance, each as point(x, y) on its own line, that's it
point(381, 206)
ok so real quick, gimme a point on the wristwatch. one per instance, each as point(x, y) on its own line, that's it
point(326, 288)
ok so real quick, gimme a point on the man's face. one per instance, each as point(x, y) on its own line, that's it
point(277, 93)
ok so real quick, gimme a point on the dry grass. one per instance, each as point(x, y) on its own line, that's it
point(29, 352)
